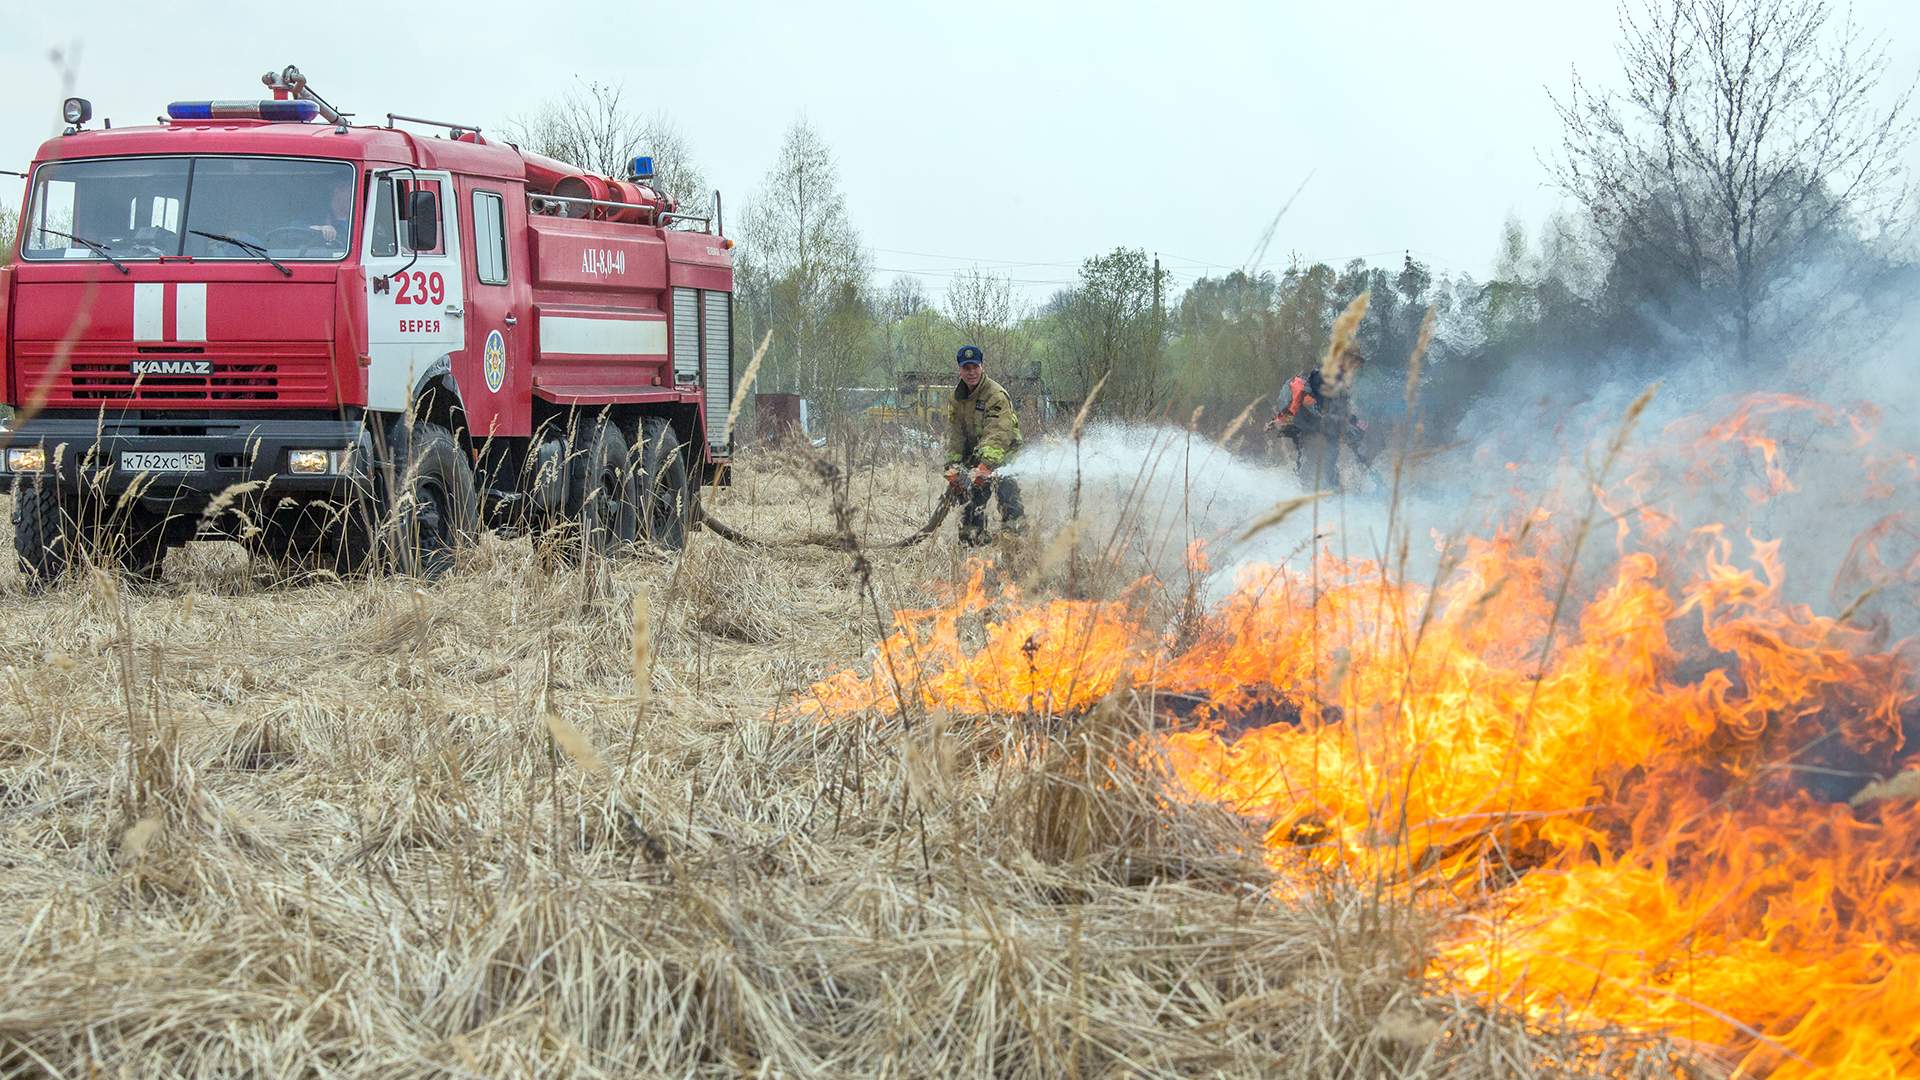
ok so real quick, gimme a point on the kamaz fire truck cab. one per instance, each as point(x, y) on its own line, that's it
point(258, 320)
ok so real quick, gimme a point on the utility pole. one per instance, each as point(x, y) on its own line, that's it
point(1159, 329)
point(1156, 293)
point(1159, 309)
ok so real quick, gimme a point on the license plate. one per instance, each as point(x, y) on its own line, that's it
point(162, 463)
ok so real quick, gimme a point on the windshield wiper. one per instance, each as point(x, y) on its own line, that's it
point(247, 246)
point(95, 246)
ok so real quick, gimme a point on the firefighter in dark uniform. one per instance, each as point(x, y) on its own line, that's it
point(983, 431)
point(1318, 419)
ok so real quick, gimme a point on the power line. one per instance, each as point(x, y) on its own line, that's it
point(969, 259)
point(955, 273)
point(1200, 268)
point(1198, 265)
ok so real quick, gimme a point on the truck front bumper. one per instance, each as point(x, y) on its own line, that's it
point(156, 457)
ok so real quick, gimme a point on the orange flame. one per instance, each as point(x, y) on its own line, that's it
point(1046, 658)
point(1621, 821)
point(1624, 797)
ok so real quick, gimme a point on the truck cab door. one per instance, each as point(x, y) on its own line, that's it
point(415, 298)
point(495, 381)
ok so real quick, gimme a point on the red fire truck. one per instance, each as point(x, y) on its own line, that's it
point(259, 320)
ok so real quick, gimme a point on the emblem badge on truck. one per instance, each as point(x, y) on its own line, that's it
point(493, 362)
point(172, 367)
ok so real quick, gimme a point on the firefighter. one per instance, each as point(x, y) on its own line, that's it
point(983, 431)
point(1318, 420)
point(333, 231)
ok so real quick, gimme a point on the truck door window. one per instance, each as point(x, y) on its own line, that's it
point(404, 187)
point(489, 238)
point(385, 237)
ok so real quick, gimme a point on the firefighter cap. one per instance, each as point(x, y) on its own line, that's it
point(968, 354)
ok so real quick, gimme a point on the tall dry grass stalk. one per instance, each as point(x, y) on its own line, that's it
point(1341, 364)
point(748, 376)
point(1239, 423)
point(641, 644)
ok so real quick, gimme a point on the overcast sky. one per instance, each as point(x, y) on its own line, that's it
point(1020, 137)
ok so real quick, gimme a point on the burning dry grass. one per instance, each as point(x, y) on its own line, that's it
point(262, 828)
point(1648, 788)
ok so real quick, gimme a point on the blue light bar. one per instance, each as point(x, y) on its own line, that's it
point(299, 112)
point(641, 168)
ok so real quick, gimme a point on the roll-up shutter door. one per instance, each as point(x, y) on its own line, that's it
point(686, 335)
point(719, 375)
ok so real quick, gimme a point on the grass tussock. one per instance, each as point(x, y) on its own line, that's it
point(520, 822)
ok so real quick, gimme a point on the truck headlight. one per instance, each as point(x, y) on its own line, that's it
point(319, 462)
point(307, 462)
point(27, 459)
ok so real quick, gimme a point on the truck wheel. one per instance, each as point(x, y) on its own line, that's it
point(349, 528)
point(46, 538)
point(432, 509)
point(296, 536)
point(666, 493)
point(144, 546)
point(599, 495)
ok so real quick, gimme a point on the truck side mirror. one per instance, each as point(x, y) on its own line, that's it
point(423, 221)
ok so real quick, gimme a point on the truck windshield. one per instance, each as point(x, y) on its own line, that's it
point(159, 207)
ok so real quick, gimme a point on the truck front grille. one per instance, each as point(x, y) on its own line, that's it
point(275, 375)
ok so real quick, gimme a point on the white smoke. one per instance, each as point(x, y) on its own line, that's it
point(1541, 439)
point(1145, 492)
point(1164, 483)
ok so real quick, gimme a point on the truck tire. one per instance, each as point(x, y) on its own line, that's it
point(432, 508)
point(143, 546)
point(666, 491)
point(46, 538)
point(600, 491)
point(350, 535)
point(297, 536)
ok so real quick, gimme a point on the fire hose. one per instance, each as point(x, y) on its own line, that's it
point(956, 493)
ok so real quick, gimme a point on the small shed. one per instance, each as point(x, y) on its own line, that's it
point(782, 416)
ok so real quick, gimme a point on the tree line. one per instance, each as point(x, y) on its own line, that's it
point(1736, 191)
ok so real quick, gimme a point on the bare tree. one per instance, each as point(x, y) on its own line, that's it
point(903, 299)
point(9, 223)
point(1747, 136)
point(591, 126)
point(801, 257)
point(900, 310)
point(986, 313)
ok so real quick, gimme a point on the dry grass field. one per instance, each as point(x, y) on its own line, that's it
point(542, 820)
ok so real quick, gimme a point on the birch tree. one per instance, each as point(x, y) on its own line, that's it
point(802, 261)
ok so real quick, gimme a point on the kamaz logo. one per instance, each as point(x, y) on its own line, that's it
point(172, 367)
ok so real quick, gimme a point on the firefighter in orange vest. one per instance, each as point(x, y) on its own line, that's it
point(1318, 420)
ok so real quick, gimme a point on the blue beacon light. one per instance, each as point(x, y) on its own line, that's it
point(299, 112)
